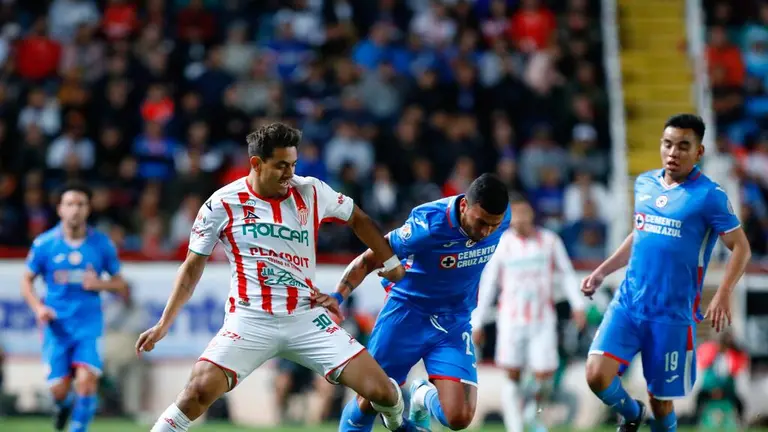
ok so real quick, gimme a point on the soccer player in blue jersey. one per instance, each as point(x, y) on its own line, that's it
point(70, 258)
point(679, 214)
point(444, 246)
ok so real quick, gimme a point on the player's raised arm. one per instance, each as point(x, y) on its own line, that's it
point(205, 233)
point(723, 220)
point(619, 259)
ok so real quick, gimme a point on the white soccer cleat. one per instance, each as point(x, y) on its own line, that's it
point(418, 413)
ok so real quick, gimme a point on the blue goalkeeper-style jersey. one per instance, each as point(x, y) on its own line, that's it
point(443, 265)
point(676, 228)
point(62, 266)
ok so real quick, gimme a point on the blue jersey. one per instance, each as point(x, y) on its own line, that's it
point(62, 266)
point(443, 265)
point(676, 228)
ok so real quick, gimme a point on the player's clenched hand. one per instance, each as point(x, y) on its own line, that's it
point(393, 275)
point(591, 283)
point(326, 301)
point(719, 311)
point(90, 280)
point(44, 315)
point(149, 338)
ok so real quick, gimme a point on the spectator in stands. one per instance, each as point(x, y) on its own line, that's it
point(65, 16)
point(41, 111)
point(584, 190)
point(38, 55)
point(723, 53)
point(721, 364)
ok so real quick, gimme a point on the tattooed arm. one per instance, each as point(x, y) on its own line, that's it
point(356, 272)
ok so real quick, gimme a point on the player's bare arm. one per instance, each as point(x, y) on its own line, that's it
point(719, 310)
point(42, 312)
point(92, 282)
point(187, 278)
point(618, 260)
point(367, 231)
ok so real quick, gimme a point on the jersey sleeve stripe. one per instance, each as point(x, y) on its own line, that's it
point(242, 283)
point(731, 230)
point(198, 253)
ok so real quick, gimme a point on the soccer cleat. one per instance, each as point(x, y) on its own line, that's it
point(61, 416)
point(418, 413)
point(634, 425)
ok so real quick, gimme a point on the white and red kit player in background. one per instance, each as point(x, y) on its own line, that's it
point(523, 270)
point(268, 222)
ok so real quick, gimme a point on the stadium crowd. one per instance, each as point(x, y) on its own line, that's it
point(737, 53)
point(400, 102)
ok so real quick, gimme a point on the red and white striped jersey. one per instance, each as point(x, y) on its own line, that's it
point(270, 242)
point(522, 272)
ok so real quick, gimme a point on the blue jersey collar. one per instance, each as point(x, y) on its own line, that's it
point(693, 175)
point(453, 214)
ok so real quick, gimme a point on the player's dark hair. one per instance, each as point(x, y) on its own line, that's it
point(490, 193)
point(688, 121)
point(75, 186)
point(263, 142)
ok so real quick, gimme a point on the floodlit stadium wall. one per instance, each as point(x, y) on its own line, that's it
point(173, 358)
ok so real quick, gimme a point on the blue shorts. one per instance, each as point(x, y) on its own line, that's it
point(63, 355)
point(667, 351)
point(402, 336)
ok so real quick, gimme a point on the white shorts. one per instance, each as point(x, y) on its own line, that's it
point(310, 339)
point(533, 346)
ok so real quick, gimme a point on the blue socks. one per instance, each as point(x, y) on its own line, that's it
point(665, 424)
point(620, 402)
point(354, 420)
point(432, 402)
point(83, 412)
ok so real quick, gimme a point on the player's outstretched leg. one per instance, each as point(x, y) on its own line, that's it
point(363, 375)
point(84, 407)
point(207, 383)
point(664, 418)
point(63, 398)
point(603, 379)
point(452, 403)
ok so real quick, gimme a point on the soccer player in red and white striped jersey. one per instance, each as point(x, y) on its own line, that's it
point(267, 223)
point(522, 273)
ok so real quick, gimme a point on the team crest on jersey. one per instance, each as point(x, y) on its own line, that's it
point(405, 232)
point(75, 258)
point(448, 261)
point(303, 215)
point(250, 203)
point(661, 201)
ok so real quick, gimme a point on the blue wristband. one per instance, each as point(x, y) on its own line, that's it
point(339, 298)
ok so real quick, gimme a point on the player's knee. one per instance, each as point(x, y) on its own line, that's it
point(382, 393)
point(208, 382)
point(60, 390)
point(598, 376)
point(86, 382)
point(460, 419)
point(661, 408)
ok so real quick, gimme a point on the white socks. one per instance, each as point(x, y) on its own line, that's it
point(392, 415)
point(419, 397)
point(512, 405)
point(172, 420)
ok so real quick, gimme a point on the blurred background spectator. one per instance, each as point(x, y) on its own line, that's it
point(400, 103)
point(738, 61)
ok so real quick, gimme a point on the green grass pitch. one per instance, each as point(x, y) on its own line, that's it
point(44, 425)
